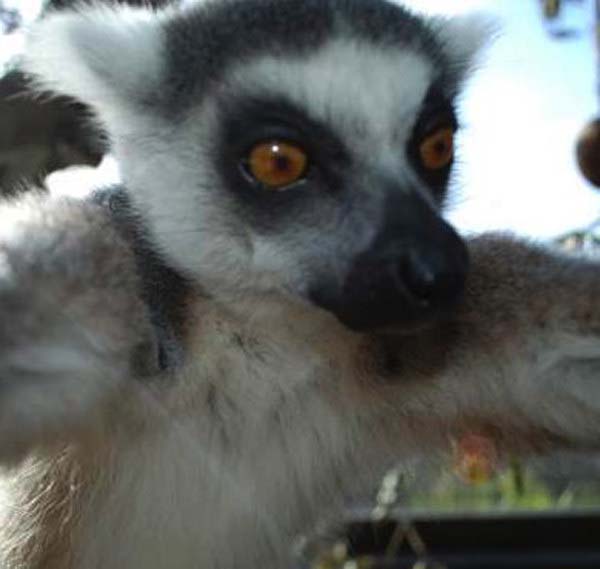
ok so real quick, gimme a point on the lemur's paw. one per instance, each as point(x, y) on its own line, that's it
point(71, 322)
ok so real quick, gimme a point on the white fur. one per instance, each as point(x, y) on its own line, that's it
point(349, 84)
point(108, 57)
point(464, 36)
point(376, 95)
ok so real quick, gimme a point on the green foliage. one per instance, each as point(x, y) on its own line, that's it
point(517, 487)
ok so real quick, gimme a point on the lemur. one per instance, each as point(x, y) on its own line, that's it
point(197, 366)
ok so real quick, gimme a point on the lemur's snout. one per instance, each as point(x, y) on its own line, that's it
point(415, 270)
point(404, 282)
point(433, 278)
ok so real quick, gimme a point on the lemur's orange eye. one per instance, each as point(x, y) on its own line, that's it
point(277, 164)
point(437, 149)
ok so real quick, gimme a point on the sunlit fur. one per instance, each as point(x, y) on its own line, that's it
point(369, 94)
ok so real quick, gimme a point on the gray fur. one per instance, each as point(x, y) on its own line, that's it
point(202, 42)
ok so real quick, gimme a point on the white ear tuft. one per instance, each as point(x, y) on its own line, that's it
point(464, 36)
point(99, 55)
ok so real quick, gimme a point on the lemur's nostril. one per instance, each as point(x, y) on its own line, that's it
point(420, 278)
point(431, 280)
point(411, 275)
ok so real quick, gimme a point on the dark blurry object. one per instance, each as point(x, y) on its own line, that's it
point(551, 9)
point(60, 4)
point(553, 540)
point(10, 19)
point(39, 136)
point(563, 18)
point(588, 142)
point(588, 152)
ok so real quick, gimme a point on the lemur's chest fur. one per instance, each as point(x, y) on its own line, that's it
point(217, 462)
point(248, 427)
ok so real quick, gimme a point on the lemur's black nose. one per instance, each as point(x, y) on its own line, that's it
point(434, 278)
point(402, 284)
point(413, 271)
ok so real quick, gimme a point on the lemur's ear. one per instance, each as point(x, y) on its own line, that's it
point(107, 57)
point(463, 37)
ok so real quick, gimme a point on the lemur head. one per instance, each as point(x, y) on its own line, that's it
point(298, 145)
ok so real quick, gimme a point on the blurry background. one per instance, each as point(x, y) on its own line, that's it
point(522, 113)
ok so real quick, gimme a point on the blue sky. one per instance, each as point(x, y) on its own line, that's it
point(521, 112)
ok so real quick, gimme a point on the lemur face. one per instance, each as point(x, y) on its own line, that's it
point(337, 164)
point(304, 146)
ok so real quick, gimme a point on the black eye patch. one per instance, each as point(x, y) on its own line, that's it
point(437, 114)
point(249, 122)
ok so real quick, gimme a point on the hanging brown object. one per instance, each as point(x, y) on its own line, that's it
point(588, 152)
point(41, 135)
point(551, 9)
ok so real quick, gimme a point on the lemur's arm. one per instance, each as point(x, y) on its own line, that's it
point(520, 358)
point(539, 313)
point(521, 353)
point(72, 327)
